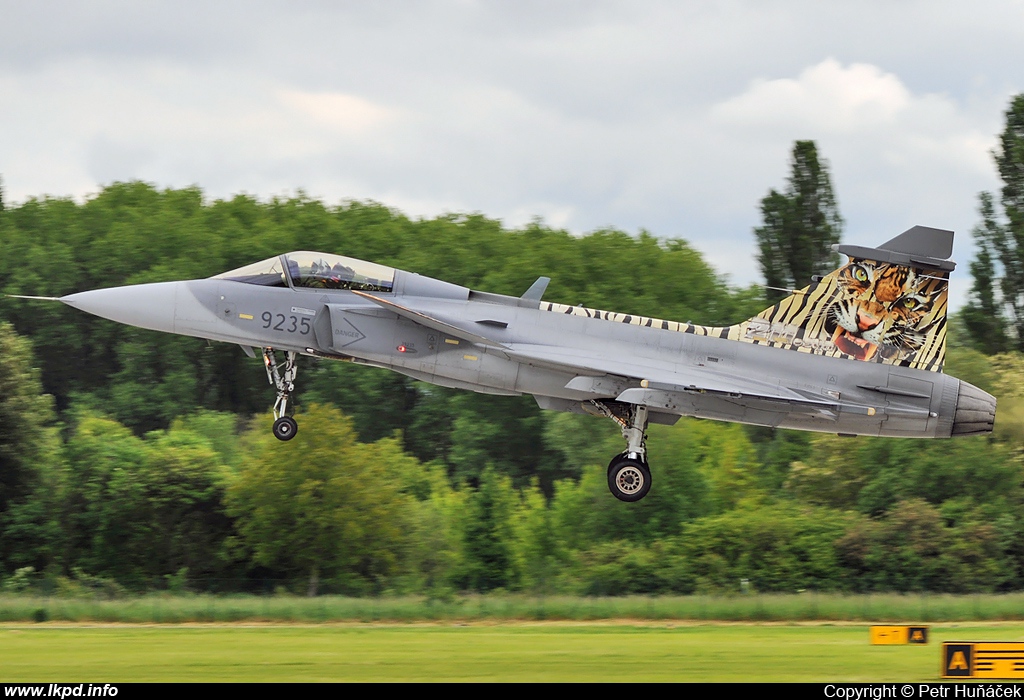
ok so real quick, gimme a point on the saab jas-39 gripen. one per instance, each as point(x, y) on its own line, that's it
point(857, 352)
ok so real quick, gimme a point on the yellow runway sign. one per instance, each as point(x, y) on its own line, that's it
point(898, 634)
point(983, 659)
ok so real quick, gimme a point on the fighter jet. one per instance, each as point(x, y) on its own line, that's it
point(857, 352)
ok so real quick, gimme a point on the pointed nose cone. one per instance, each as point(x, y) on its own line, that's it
point(149, 306)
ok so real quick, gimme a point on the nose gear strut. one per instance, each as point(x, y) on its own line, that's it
point(282, 376)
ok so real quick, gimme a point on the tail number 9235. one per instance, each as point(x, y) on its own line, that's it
point(286, 324)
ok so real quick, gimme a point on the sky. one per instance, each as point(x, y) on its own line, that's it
point(671, 117)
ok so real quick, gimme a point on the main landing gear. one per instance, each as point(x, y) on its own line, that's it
point(629, 476)
point(282, 376)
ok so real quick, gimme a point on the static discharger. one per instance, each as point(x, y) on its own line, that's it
point(898, 634)
point(983, 660)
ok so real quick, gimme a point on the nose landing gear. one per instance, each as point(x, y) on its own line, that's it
point(282, 376)
point(285, 428)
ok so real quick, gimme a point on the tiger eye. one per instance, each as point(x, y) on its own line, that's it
point(860, 273)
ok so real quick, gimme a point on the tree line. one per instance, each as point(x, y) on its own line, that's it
point(133, 460)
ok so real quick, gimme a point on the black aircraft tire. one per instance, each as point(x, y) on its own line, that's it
point(617, 458)
point(285, 428)
point(629, 479)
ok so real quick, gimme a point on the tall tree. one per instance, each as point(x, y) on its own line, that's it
point(322, 505)
point(983, 315)
point(995, 315)
point(799, 226)
point(29, 456)
point(488, 534)
point(137, 510)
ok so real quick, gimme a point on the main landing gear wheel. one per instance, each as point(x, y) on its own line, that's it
point(629, 476)
point(629, 479)
point(285, 428)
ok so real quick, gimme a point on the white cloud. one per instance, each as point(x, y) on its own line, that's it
point(898, 157)
point(344, 113)
point(825, 96)
point(673, 117)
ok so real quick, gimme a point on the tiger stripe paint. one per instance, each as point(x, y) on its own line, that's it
point(866, 311)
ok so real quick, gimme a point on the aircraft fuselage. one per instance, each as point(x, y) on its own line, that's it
point(532, 347)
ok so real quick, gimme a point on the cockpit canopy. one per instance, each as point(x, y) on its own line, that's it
point(315, 270)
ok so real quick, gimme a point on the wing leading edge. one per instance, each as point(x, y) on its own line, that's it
point(430, 322)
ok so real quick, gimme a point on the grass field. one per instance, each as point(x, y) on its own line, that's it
point(563, 651)
point(164, 608)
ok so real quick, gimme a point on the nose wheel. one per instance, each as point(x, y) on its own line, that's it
point(282, 376)
point(285, 428)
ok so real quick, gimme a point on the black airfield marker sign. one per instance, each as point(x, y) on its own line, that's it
point(957, 660)
point(983, 660)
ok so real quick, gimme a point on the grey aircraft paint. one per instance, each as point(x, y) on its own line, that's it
point(859, 353)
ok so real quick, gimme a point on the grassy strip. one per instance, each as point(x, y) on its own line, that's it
point(446, 653)
point(292, 609)
point(498, 652)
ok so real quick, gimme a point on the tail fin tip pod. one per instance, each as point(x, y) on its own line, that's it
point(886, 304)
point(920, 246)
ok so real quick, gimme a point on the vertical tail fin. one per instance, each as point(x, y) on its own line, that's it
point(887, 305)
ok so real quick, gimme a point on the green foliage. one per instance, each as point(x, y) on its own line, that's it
point(489, 562)
point(912, 549)
point(434, 551)
point(219, 429)
point(321, 504)
point(971, 366)
point(983, 314)
point(703, 467)
point(777, 449)
point(26, 416)
point(29, 460)
point(872, 475)
point(776, 547)
point(579, 441)
point(538, 551)
point(624, 567)
point(81, 585)
point(393, 486)
point(499, 431)
point(799, 227)
point(20, 581)
point(995, 312)
point(379, 401)
point(138, 509)
point(710, 466)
